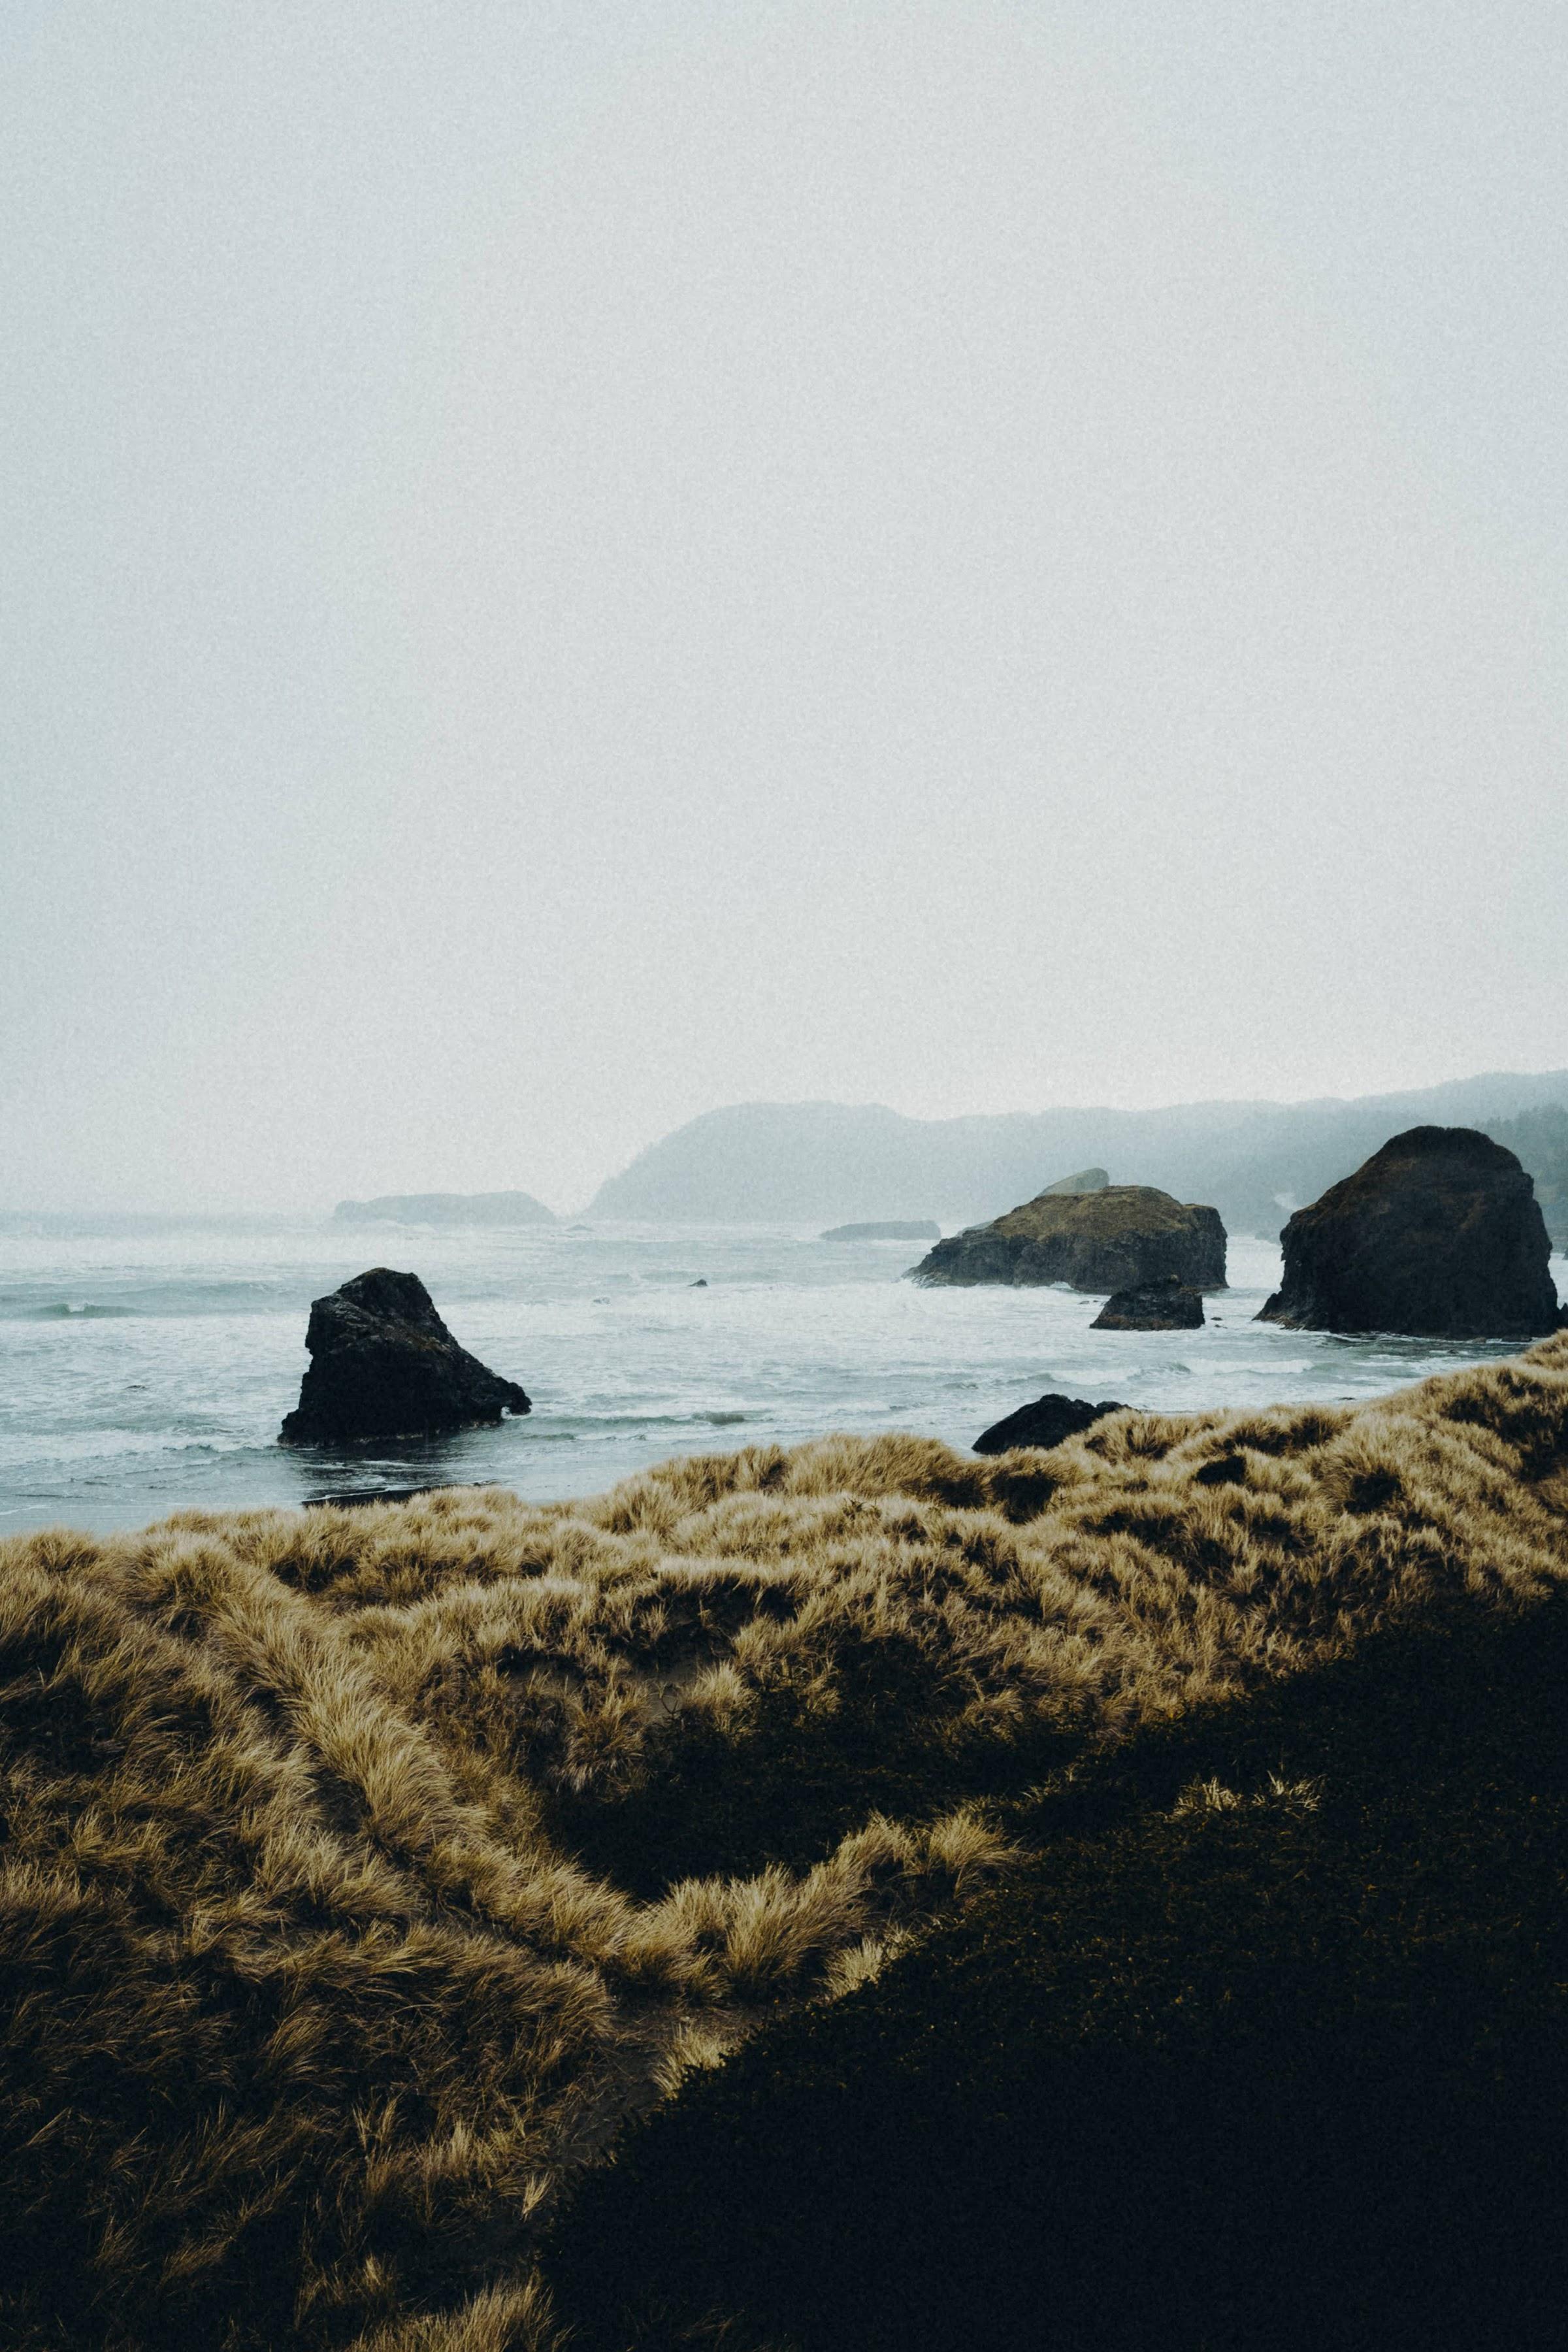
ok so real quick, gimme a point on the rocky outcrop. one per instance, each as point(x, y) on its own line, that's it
point(1108, 1240)
point(1163, 1306)
point(383, 1364)
point(1438, 1235)
point(1045, 1422)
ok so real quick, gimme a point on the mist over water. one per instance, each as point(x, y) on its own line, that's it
point(147, 1369)
point(569, 564)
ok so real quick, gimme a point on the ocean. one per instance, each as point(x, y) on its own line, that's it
point(144, 1367)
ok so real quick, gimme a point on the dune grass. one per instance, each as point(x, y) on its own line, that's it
point(364, 1871)
point(1264, 2045)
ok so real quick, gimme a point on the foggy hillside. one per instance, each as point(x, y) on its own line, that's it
point(1252, 1160)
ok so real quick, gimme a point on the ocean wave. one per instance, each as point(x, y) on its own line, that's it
point(178, 1296)
point(62, 1311)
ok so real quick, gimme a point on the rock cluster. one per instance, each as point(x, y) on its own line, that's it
point(383, 1364)
point(1045, 1422)
point(1165, 1305)
point(1106, 1240)
point(1438, 1235)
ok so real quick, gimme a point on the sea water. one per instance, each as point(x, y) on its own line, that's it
point(145, 1369)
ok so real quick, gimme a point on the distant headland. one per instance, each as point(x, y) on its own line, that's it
point(445, 1209)
point(1255, 1162)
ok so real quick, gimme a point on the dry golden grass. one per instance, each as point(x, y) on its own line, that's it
point(364, 1868)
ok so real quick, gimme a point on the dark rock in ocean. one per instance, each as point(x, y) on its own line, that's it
point(1166, 1305)
point(1109, 1240)
point(383, 1364)
point(1045, 1422)
point(1438, 1235)
point(890, 1229)
point(700, 1283)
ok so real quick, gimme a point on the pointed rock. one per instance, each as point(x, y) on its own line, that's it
point(383, 1364)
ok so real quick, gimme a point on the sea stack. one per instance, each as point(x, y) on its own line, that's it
point(1438, 1235)
point(1165, 1305)
point(383, 1364)
point(1109, 1239)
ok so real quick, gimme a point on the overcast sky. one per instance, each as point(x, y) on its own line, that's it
point(565, 564)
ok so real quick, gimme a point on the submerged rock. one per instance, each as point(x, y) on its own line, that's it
point(1166, 1305)
point(1107, 1240)
point(1438, 1235)
point(1045, 1422)
point(383, 1364)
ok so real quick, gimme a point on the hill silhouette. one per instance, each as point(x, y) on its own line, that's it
point(1254, 1161)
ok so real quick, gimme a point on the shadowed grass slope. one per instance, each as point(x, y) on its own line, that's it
point(363, 1871)
point(1265, 2046)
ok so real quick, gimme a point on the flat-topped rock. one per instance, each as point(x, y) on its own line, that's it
point(1046, 1423)
point(1111, 1239)
point(1438, 1235)
point(383, 1364)
point(1166, 1305)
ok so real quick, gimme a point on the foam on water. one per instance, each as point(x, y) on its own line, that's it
point(145, 1371)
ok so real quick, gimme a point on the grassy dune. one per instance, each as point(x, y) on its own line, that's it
point(365, 1872)
point(1265, 2045)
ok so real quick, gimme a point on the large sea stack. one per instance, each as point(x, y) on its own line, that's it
point(1111, 1239)
point(1438, 1235)
point(383, 1364)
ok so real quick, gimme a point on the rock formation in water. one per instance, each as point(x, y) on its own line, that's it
point(1109, 1240)
point(1438, 1235)
point(383, 1364)
point(1166, 1305)
point(1045, 1422)
point(445, 1209)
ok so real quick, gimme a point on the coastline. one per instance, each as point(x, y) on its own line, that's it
point(170, 1396)
point(539, 1812)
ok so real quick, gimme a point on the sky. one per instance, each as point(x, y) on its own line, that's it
point(565, 564)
